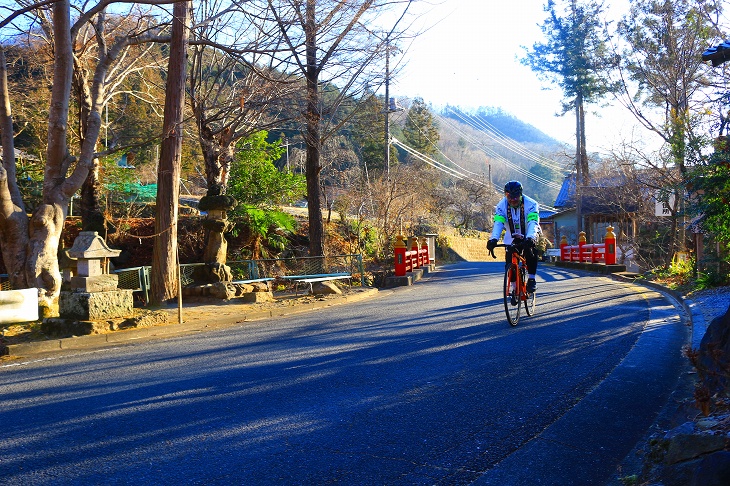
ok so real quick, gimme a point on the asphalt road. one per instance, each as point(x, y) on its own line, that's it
point(421, 385)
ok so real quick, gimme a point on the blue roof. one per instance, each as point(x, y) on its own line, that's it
point(566, 195)
point(546, 213)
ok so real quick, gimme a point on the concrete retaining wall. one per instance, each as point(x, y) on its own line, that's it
point(472, 249)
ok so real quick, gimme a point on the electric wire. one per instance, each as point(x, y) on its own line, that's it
point(446, 169)
point(500, 158)
point(482, 125)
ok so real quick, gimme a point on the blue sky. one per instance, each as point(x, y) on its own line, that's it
point(469, 57)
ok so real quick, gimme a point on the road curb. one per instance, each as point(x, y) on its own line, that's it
point(192, 325)
point(607, 418)
point(697, 322)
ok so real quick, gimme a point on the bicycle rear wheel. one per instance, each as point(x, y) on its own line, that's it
point(511, 295)
point(529, 297)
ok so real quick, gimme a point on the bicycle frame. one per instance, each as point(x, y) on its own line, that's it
point(515, 285)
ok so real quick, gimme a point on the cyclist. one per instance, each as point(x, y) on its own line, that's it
point(519, 215)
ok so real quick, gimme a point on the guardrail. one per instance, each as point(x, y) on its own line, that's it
point(590, 252)
point(138, 278)
point(409, 260)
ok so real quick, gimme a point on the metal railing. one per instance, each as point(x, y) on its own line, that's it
point(138, 278)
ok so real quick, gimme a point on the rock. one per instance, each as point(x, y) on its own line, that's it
point(325, 288)
point(258, 297)
point(707, 423)
point(713, 361)
point(713, 470)
point(678, 474)
point(688, 446)
point(222, 290)
point(685, 428)
point(260, 286)
point(243, 289)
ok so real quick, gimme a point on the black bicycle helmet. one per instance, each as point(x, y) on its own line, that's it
point(513, 188)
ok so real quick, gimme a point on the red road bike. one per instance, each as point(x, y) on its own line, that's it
point(515, 285)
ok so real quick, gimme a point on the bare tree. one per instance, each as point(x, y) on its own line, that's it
point(31, 254)
point(329, 43)
point(110, 49)
point(663, 82)
point(472, 203)
point(235, 86)
point(397, 203)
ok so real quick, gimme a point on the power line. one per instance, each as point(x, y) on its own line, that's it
point(494, 155)
point(448, 170)
point(482, 125)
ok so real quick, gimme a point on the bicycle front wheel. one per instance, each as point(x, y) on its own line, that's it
point(511, 295)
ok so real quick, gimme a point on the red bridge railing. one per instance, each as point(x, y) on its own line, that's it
point(590, 252)
point(408, 260)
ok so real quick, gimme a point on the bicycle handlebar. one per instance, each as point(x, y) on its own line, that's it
point(519, 247)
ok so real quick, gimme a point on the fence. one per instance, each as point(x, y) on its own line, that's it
point(5, 282)
point(138, 279)
point(408, 260)
point(590, 253)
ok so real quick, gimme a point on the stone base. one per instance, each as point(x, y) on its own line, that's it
point(96, 306)
point(394, 281)
point(417, 274)
point(258, 297)
point(212, 273)
point(593, 267)
point(229, 290)
point(106, 282)
point(58, 327)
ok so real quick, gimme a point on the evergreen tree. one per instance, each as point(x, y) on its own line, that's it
point(420, 130)
point(573, 56)
point(368, 132)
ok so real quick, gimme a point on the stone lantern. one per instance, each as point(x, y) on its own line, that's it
point(216, 247)
point(94, 296)
point(92, 263)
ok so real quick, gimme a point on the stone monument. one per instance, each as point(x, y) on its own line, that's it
point(216, 247)
point(94, 300)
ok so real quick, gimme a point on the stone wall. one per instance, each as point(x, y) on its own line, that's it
point(471, 249)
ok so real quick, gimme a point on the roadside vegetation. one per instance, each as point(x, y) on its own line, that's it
point(284, 105)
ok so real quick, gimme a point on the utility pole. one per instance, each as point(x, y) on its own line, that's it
point(387, 107)
point(390, 107)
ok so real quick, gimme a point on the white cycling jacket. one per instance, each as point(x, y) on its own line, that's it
point(532, 219)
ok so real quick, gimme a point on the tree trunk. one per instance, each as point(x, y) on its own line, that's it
point(92, 218)
point(164, 280)
point(578, 171)
point(13, 218)
point(312, 137)
point(46, 223)
point(211, 157)
point(42, 269)
point(218, 156)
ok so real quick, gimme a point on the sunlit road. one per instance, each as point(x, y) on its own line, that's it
point(420, 385)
